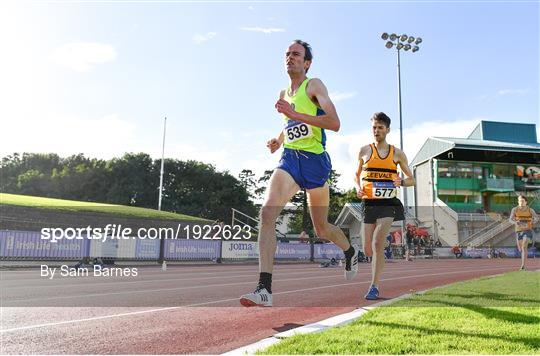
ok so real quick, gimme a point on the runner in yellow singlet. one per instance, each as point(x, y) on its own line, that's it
point(307, 111)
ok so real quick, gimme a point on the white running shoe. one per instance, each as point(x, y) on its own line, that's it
point(259, 298)
point(351, 265)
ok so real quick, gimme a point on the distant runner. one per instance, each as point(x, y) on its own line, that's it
point(524, 218)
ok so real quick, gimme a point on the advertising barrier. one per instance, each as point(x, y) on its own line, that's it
point(442, 252)
point(293, 251)
point(239, 249)
point(146, 249)
point(328, 251)
point(480, 252)
point(28, 244)
point(191, 250)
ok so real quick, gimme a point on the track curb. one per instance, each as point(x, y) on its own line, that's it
point(338, 320)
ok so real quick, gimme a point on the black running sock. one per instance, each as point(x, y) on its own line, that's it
point(265, 279)
point(349, 253)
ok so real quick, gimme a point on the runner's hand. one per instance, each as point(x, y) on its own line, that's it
point(273, 145)
point(397, 182)
point(360, 192)
point(283, 107)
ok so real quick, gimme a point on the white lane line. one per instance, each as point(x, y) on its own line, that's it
point(16, 300)
point(222, 301)
point(10, 301)
point(227, 268)
point(193, 270)
point(121, 282)
point(113, 316)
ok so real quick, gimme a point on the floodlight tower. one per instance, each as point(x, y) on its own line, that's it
point(406, 43)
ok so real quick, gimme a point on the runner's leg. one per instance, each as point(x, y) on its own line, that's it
point(367, 239)
point(524, 247)
point(318, 200)
point(281, 189)
point(379, 236)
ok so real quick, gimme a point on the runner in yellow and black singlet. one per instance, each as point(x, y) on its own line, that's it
point(524, 218)
point(377, 183)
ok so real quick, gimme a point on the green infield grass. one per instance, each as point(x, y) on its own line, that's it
point(490, 315)
point(73, 205)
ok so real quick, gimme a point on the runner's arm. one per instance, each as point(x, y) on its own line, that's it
point(535, 217)
point(357, 179)
point(404, 166)
point(280, 137)
point(329, 120)
point(512, 217)
point(275, 143)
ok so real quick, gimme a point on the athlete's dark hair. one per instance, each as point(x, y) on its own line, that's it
point(308, 56)
point(382, 117)
point(523, 197)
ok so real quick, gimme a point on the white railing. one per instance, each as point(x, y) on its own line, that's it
point(480, 232)
point(474, 217)
point(536, 196)
point(488, 235)
point(251, 222)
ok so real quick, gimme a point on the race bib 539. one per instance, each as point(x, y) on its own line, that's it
point(297, 132)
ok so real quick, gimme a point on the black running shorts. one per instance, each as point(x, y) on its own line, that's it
point(383, 208)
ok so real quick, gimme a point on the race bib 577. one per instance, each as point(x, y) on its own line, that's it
point(384, 190)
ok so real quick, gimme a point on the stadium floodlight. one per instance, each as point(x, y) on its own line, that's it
point(406, 43)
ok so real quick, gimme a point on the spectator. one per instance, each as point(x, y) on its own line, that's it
point(388, 252)
point(456, 250)
point(408, 244)
point(416, 243)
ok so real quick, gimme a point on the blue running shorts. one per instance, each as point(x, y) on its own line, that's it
point(309, 170)
point(528, 234)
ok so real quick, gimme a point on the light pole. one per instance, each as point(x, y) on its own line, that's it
point(162, 164)
point(406, 43)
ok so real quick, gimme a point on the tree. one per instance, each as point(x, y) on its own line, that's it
point(133, 175)
point(32, 182)
point(247, 179)
point(262, 182)
point(189, 187)
point(196, 188)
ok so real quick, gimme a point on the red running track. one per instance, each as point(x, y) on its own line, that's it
point(195, 309)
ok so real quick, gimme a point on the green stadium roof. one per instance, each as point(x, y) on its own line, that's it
point(487, 136)
point(434, 146)
point(504, 131)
